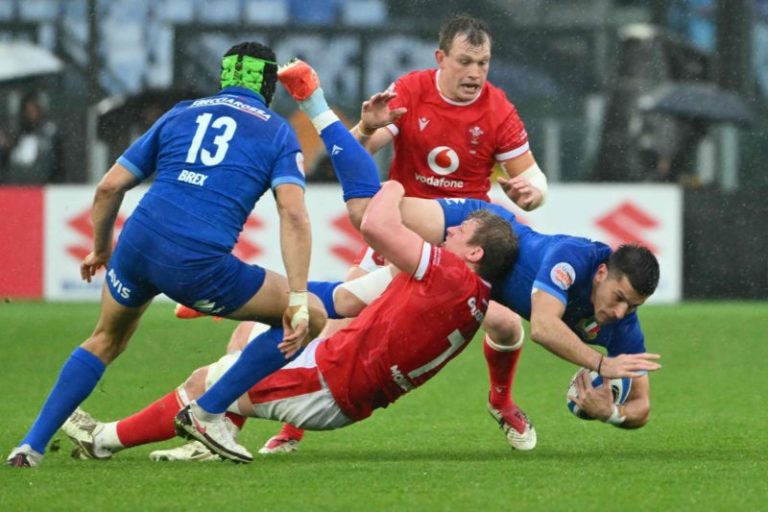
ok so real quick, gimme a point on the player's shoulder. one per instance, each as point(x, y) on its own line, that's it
point(498, 98)
point(454, 271)
point(416, 83)
point(579, 246)
point(418, 77)
point(574, 257)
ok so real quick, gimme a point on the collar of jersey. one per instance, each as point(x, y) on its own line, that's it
point(243, 91)
point(454, 102)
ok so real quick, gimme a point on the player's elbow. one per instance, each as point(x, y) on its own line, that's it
point(290, 204)
point(294, 215)
point(374, 229)
point(641, 414)
point(346, 303)
point(107, 188)
point(538, 330)
point(644, 415)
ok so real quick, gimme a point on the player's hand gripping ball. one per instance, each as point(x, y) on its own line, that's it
point(619, 388)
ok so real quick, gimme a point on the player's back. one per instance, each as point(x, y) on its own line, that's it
point(448, 149)
point(406, 336)
point(562, 265)
point(514, 290)
point(534, 251)
point(213, 158)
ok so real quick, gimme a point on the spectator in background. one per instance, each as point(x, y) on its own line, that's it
point(694, 20)
point(760, 45)
point(30, 154)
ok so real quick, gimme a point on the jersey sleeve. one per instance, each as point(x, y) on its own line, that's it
point(426, 261)
point(560, 270)
point(403, 99)
point(512, 139)
point(141, 157)
point(289, 164)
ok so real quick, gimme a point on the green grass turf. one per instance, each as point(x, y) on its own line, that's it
point(436, 449)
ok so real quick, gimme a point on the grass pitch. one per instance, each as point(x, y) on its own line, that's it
point(706, 447)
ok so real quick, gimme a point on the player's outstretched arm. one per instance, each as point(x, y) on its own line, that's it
point(106, 205)
point(295, 246)
point(384, 231)
point(549, 330)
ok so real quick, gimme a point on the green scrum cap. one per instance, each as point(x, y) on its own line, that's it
point(243, 71)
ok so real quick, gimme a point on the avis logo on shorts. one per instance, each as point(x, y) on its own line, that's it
point(563, 275)
point(117, 285)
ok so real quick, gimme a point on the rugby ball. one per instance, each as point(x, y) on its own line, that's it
point(619, 387)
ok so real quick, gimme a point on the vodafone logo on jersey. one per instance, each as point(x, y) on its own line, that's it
point(443, 160)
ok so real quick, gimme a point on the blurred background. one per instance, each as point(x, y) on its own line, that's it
point(633, 92)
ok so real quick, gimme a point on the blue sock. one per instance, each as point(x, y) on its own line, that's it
point(259, 359)
point(77, 379)
point(324, 290)
point(355, 168)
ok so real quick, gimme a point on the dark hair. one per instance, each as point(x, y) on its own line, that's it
point(475, 30)
point(499, 243)
point(639, 265)
point(268, 80)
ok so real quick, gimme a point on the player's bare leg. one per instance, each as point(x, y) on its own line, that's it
point(502, 345)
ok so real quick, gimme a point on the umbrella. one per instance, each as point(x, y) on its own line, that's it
point(118, 113)
point(697, 101)
point(20, 59)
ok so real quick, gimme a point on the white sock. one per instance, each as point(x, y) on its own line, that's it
point(318, 110)
point(108, 439)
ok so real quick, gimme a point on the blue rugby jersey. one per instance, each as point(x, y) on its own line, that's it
point(560, 265)
point(212, 158)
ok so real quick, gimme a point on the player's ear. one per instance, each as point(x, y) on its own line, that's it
point(439, 57)
point(475, 254)
point(602, 273)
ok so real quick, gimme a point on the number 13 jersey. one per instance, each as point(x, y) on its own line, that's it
point(213, 158)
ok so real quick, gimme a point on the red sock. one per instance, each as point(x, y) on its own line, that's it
point(501, 372)
point(291, 432)
point(236, 419)
point(152, 424)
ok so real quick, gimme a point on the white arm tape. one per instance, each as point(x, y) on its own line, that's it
point(616, 418)
point(368, 287)
point(300, 299)
point(536, 178)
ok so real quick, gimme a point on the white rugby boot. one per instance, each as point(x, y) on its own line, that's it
point(194, 451)
point(516, 426)
point(24, 457)
point(195, 424)
point(82, 429)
